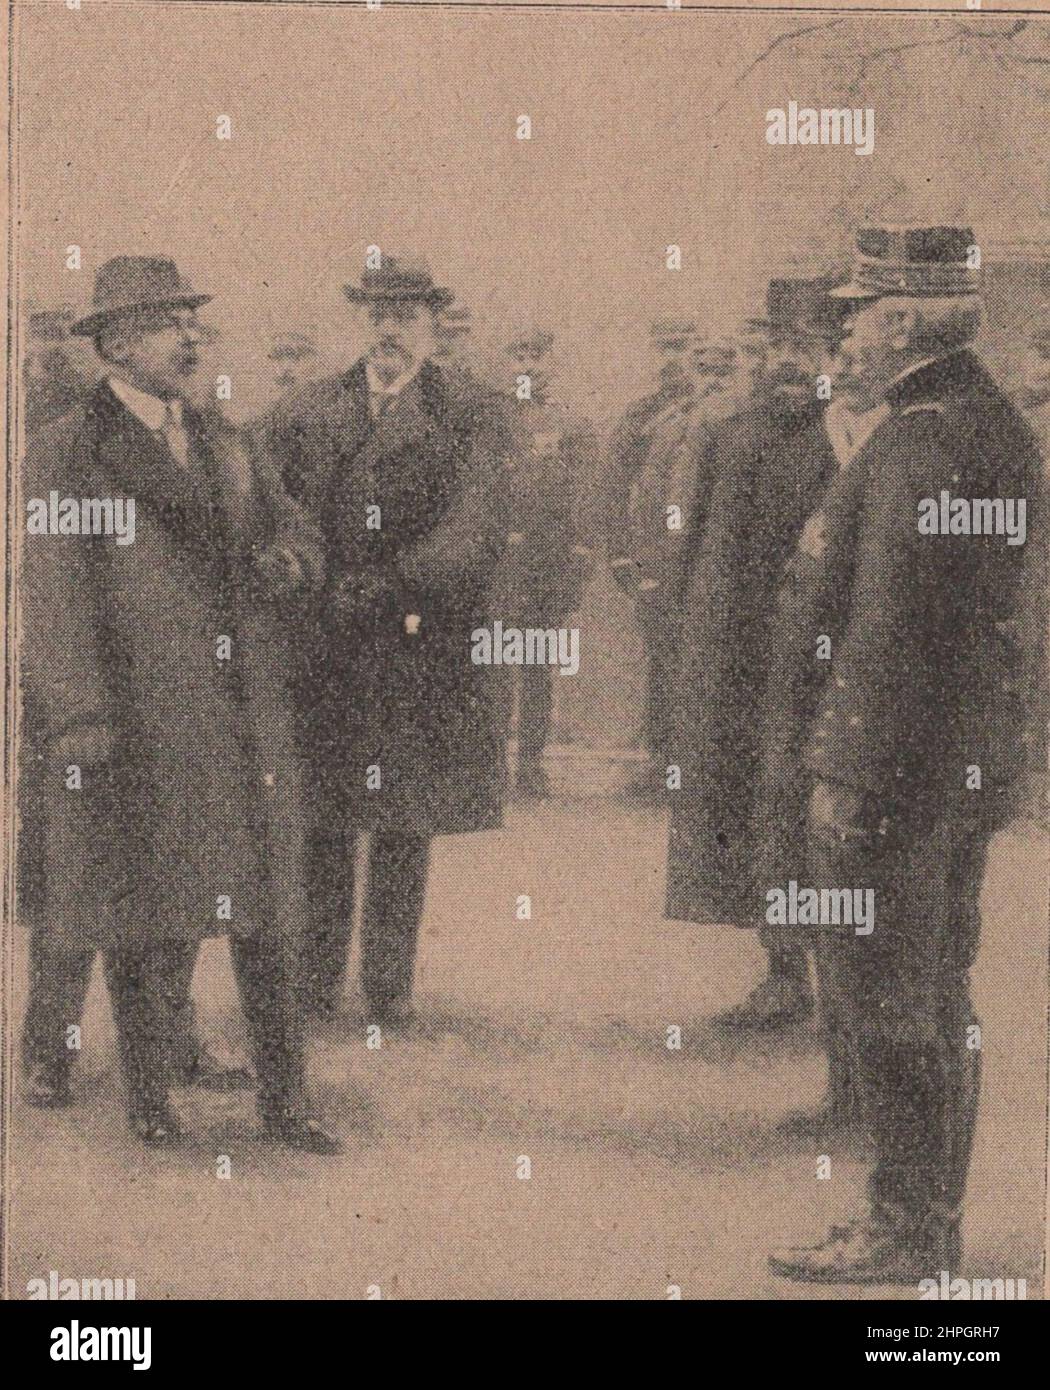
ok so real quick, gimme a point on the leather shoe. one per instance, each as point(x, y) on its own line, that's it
point(209, 1074)
point(823, 1124)
point(872, 1251)
point(394, 1014)
point(774, 1003)
point(298, 1133)
point(159, 1129)
point(47, 1088)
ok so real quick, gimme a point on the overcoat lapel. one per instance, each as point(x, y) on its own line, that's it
point(137, 461)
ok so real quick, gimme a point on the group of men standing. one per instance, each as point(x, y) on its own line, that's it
point(280, 662)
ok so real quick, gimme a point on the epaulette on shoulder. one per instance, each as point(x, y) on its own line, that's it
point(921, 407)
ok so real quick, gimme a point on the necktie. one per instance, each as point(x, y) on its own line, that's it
point(174, 432)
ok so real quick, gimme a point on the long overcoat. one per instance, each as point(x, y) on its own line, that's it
point(401, 728)
point(763, 472)
point(923, 679)
point(194, 825)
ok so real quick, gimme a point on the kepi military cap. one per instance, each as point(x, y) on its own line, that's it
point(911, 262)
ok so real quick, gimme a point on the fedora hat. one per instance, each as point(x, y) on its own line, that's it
point(132, 284)
point(398, 282)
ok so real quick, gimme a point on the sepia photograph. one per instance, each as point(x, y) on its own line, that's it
point(525, 692)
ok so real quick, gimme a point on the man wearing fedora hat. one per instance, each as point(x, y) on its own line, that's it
point(757, 471)
point(911, 728)
point(155, 671)
point(400, 463)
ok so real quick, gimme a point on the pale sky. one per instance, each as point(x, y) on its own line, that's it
point(397, 127)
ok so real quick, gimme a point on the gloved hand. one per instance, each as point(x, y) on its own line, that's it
point(840, 816)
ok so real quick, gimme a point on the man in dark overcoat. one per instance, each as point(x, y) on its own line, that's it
point(763, 468)
point(155, 664)
point(912, 741)
point(402, 467)
point(553, 480)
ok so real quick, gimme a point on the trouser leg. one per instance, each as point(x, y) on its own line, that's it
point(843, 1097)
point(143, 996)
point(833, 993)
point(904, 1086)
point(185, 1040)
point(397, 876)
point(787, 962)
point(923, 1091)
point(58, 986)
point(330, 902)
point(266, 986)
point(535, 710)
point(657, 697)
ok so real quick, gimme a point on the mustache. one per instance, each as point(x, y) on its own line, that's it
point(787, 376)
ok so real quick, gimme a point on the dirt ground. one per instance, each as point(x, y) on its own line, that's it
point(540, 1039)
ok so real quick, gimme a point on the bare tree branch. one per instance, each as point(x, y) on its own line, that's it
point(783, 38)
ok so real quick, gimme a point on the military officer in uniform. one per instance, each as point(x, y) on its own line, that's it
point(759, 468)
point(914, 745)
point(553, 477)
point(401, 464)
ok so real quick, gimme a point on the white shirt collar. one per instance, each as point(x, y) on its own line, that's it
point(915, 367)
point(849, 430)
point(151, 410)
point(377, 387)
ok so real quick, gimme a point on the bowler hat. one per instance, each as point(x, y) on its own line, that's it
point(131, 284)
point(911, 262)
point(803, 307)
point(394, 281)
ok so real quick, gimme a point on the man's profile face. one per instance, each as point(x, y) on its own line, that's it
point(712, 365)
point(401, 337)
point(158, 353)
point(867, 359)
